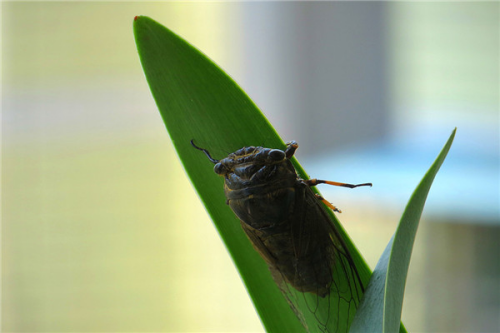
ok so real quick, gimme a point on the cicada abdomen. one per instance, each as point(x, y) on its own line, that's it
point(289, 227)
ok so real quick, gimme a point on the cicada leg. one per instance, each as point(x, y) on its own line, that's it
point(329, 204)
point(314, 182)
point(291, 147)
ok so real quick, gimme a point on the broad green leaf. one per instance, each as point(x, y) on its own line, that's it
point(198, 101)
point(380, 309)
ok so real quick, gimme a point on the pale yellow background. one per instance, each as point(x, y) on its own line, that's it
point(102, 229)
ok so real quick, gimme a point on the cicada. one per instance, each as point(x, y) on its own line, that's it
point(289, 227)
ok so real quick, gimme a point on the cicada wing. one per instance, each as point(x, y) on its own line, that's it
point(319, 280)
point(330, 307)
point(291, 295)
point(347, 281)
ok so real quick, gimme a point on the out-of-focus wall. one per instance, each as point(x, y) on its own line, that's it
point(318, 70)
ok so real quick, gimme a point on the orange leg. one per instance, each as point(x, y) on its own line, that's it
point(329, 204)
point(314, 182)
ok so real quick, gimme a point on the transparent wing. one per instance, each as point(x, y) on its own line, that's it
point(311, 265)
point(328, 308)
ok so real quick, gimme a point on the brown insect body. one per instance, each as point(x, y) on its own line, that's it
point(284, 219)
point(277, 212)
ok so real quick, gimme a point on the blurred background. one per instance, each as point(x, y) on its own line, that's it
point(101, 229)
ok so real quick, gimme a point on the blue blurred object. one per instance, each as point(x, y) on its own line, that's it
point(466, 190)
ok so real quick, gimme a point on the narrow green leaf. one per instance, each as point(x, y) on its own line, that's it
point(198, 101)
point(380, 309)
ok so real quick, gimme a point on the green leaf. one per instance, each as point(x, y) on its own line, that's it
point(198, 101)
point(380, 309)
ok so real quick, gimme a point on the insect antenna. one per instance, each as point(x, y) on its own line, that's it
point(214, 161)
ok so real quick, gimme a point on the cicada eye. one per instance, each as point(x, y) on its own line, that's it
point(276, 155)
point(220, 169)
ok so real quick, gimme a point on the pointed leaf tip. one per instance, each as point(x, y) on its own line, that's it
point(380, 309)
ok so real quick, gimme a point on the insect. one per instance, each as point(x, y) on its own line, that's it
point(291, 230)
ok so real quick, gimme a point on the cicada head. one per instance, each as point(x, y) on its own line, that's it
point(255, 166)
point(259, 183)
